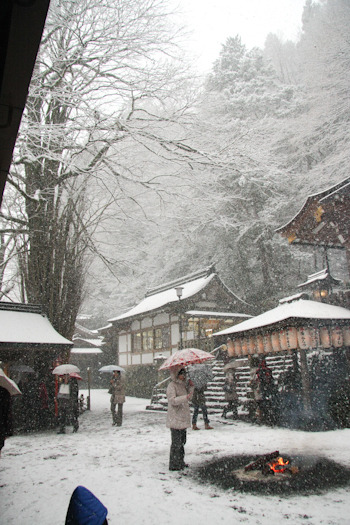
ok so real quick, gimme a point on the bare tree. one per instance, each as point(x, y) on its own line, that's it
point(103, 111)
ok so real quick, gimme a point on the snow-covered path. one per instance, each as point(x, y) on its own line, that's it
point(127, 469)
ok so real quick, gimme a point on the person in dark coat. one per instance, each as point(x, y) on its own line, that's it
point(85, 509)
point(268, 410)
point(117, 391)
point(231, 396)
point(5, 416)
point(199, 403)
point(74, 398)
point(64, 404)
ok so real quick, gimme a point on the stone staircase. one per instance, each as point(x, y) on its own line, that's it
point(215, 395)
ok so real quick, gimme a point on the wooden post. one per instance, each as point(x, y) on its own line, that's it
point(88, 402)
point(305, 381)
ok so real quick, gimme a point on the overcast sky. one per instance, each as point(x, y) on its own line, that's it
point(212, 21)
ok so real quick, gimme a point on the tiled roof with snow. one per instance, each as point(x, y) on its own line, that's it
point(76, 350)
point(207, 313)
point(158, 300)
point(27, 327)
point(302, 309)
point(92, 342)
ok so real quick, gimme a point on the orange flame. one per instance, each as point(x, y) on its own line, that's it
point(279, 464)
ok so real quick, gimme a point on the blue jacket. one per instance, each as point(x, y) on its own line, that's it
point(85, 509)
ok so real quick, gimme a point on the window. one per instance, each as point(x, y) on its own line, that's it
point(137, 342)
point(147, 340)
point(158, 341)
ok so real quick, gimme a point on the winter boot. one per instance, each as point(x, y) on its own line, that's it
point(208, 427)
point(194, 427)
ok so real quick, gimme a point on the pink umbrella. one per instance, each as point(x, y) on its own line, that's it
point(187, 356)
point(75, 375)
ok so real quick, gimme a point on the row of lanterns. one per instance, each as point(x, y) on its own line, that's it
point(290, 338)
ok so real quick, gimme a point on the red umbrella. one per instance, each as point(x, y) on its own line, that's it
point(187, 356)
point(75, 375)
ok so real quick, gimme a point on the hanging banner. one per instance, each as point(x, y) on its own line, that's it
point(304, 338)
point(346, 335)
point(325, 337)
point(337, 337)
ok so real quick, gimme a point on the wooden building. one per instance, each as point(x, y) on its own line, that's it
point(182, 313)
point(323, 221)
point(28, 338)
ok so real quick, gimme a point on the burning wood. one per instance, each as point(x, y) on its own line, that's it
point(271, 464)
point(259, 463)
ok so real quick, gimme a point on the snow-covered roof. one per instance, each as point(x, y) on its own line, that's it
point(319, 276)
point(160, 299)
point(92, 342)
point(205, 313)
point(27, 327)
point(320, 195)
point(76, 350)
point(302, 309)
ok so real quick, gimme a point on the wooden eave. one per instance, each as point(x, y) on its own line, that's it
point(21, 28)
point(323, 220)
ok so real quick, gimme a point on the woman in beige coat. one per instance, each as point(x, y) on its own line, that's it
point(178, 416)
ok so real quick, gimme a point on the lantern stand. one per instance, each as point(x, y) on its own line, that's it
point(179, 295)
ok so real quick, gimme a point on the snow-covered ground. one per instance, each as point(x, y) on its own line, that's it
point(127, 469)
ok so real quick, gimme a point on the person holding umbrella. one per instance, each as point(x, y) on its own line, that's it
point(117, 391)
point(178, 420)
point(64, 404)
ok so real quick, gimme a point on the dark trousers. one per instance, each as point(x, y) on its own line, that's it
point(231, 407)
point(64, 406)
point(204, 410)
point(117, 416)
point(177, 450)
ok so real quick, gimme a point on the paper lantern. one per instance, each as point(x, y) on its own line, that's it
point(251, 345)
point(325, 337)
point(244, 345)
point(283, 339)
point(260, 344)
point(230, 347)
point(238, 346)
point(304, 338)
point(291, 338)
point(267, 343)
point(346, 335)
point(337, 337)
point(275, 341)
point(315, 337)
